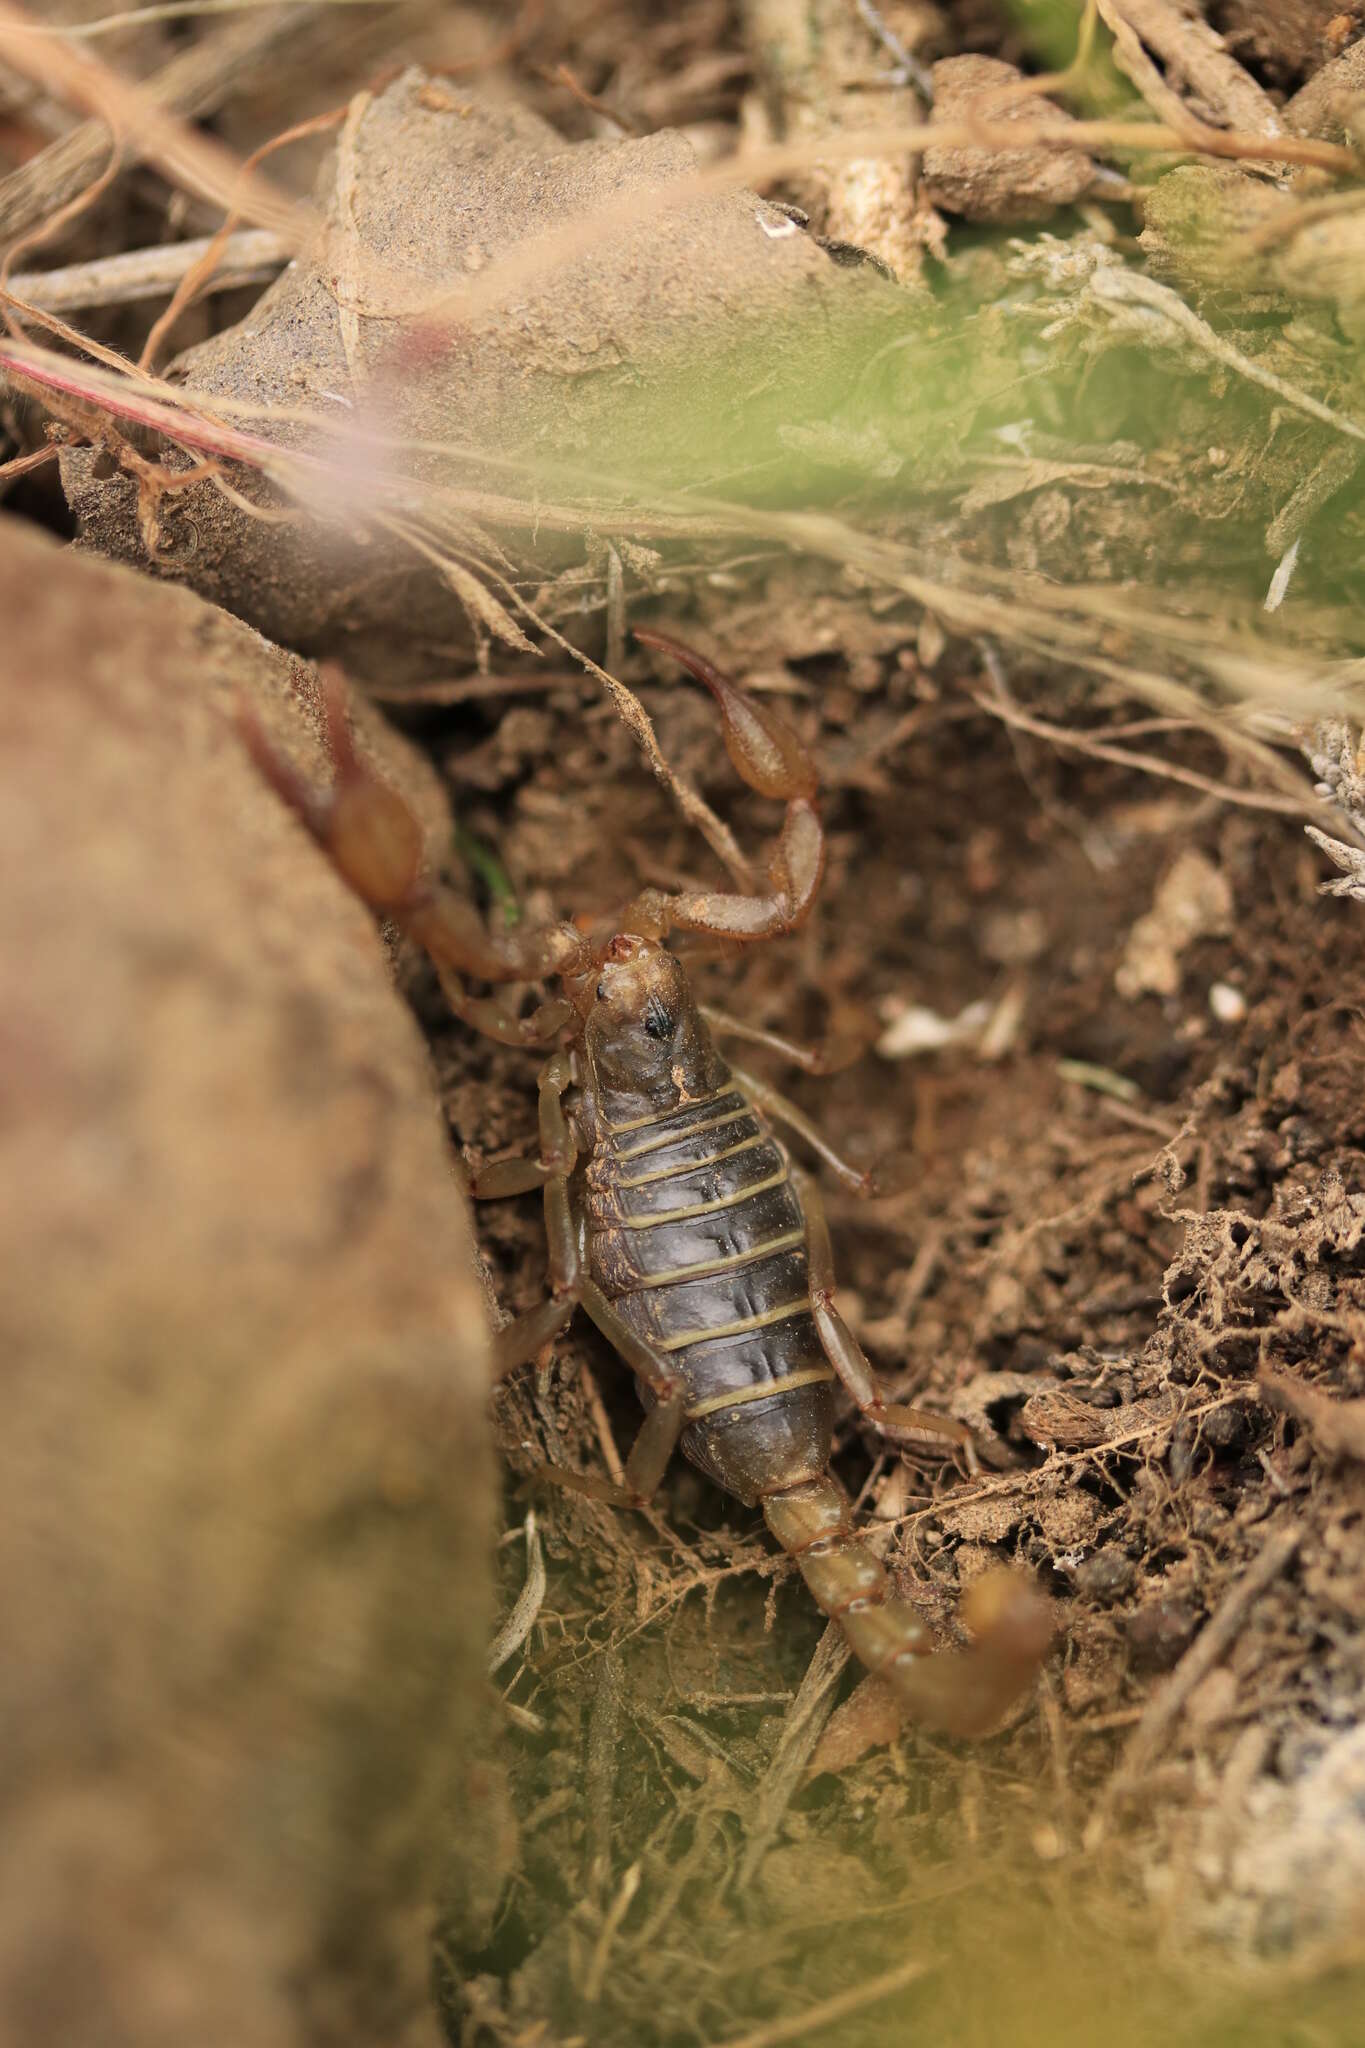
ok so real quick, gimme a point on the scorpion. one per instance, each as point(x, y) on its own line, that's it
point(675, 1217)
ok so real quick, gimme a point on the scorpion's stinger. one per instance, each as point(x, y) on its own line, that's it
point(962, 1692)
point(773, 761)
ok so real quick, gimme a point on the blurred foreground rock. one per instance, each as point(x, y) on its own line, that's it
point(242, 1471)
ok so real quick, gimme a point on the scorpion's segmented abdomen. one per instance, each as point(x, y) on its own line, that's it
point(696, 1232)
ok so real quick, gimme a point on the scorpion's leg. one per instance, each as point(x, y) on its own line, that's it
point(664, 1424)
point(838, 1054)
point(842, 1348)
point(776, 1105)
point(773, 761)
point(556, 1159)
point(375, 843)
point(527, 1334)
point(571, 1287)
point(658, 1435)
point(504, 1177)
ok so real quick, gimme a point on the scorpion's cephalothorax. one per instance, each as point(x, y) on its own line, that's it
point(695, 1228)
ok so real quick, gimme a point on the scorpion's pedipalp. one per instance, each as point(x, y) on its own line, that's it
point(962, 1692)
point(276, 768)
point(773, 761)
point(495, 1018)
point(375, 842)
point(762, 746)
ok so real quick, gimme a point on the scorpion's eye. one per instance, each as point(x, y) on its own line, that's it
point(601, 991)
point(658, 1023)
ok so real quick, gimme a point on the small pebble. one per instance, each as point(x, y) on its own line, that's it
point(1107, 1575)
point(1228, 1004)
point(1160, 1633)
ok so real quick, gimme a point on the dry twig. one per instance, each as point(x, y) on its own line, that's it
point(1209, 1647)
point(801, 1727)
point(252, 256)
point(830, 2010)
point(1185, 48)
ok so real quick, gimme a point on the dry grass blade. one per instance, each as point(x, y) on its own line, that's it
point(831, 2010)
point(482, 607)
point(1292, 803)
point(139, 120)
point(529, 1601)
point(195, 82)
point(200, 275)
point(163, 10)
point(801, 1728)
point(513, 271)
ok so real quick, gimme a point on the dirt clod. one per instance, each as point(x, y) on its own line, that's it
point(994, 184)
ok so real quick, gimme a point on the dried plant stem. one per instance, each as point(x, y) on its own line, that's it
point(530, 258)
point(870, 1992)
point(45, 375)
point(197, 279)
point(196, 82)
point(1029, 614)
point(1117, 285)
point(1028, 1482)
point(528, 1604)
point(252, 256)
point(1187, 48)
point(143, 126)
point(1292, 804)
point(1213, 1642)
point(166, 10)
point(801, 1730)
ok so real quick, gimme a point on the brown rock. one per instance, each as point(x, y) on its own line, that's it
point(1284, 39)
point(244, 1484)
point(676, 340)
point(995, 184)
point(1331, 102)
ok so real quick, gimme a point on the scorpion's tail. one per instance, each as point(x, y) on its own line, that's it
point(960, 1691)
